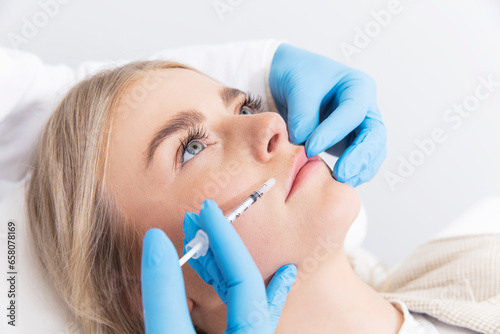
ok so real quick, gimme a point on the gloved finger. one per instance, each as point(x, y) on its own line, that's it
point(190, 225)
point(303, 113)
point(354, 102)
point(162, 284)
point(246, 289)
point(205, 266)
point(277, 292)
point(361, 161)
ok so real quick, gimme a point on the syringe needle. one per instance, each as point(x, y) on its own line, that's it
point(199, 245)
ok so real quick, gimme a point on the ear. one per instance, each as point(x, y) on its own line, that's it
point(190, 304)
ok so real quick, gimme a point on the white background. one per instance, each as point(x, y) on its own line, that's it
point(425, 60)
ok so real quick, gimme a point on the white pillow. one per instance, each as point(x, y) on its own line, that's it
point(37, 307)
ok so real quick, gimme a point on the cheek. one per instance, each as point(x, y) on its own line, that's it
point(226, 185)
point(260, 228)
point(227, 189)
point(261, 244)
point(276, 235)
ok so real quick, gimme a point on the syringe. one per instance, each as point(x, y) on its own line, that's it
point(199, 245)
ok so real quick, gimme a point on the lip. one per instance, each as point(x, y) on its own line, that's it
point(302, 167)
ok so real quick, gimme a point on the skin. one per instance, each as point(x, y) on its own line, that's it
point(243, 150)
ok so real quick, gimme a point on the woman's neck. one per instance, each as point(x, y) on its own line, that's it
point(332, 299)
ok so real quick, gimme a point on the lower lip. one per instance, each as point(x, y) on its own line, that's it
point(304, 173)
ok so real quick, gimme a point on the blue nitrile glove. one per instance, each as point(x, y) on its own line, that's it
point(230, 269)
point(163, 295)
point(164, 298)
point(322, 102)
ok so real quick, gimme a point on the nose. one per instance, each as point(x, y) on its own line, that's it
point(268, 136)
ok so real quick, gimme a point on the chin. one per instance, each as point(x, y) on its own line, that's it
point(332, 211)
point(318, 219)
point(343, 200)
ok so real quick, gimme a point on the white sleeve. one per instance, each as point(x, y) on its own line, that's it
point(30, 90)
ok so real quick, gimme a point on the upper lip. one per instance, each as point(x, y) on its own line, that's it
point(299, 160)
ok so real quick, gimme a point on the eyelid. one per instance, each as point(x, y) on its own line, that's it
point(198, 133)
point(252, 102)
point(240, 104)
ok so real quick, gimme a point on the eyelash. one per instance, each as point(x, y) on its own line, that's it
point(253, 102)
point(200, 133)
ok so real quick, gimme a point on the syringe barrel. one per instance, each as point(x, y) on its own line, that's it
point(200, 243)
point(236, 212)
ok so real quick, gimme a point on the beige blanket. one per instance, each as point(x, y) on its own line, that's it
point(456, 280)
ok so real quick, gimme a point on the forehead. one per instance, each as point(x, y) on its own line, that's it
point(174, 84)
point(162, 93)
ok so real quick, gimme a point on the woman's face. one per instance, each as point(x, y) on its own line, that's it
point(156, 181)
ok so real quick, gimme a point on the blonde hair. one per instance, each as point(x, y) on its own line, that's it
point(91, 251)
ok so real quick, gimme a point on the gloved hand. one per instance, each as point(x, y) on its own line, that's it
point(322, 102)
point(163, 293)
point(230, 269)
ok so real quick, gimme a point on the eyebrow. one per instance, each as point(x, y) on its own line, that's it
point(185, 120)
point(228, 95)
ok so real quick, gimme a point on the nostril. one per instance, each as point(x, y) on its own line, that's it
point(272, 143)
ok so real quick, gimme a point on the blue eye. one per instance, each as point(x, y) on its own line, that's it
point(246, 109)
point(193, 148)
point(192, 145)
